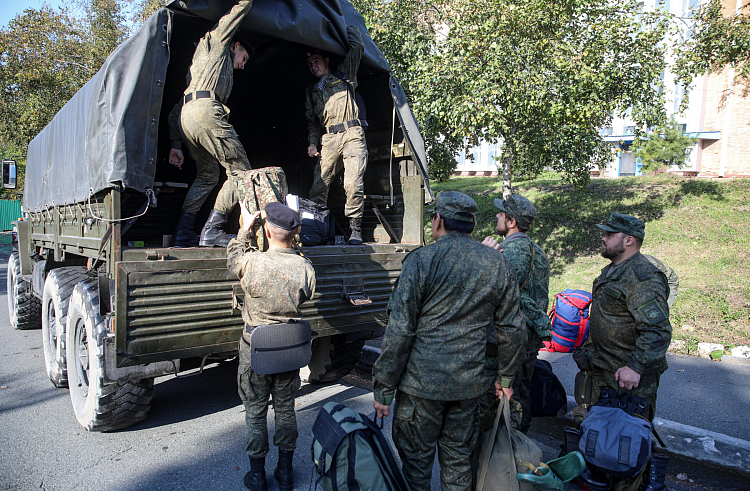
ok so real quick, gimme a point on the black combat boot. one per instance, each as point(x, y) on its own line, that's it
point(212, 234)
point(284, 472)
point(356, 225)
point(183, 235)
point(657, 473)
point(255, 480)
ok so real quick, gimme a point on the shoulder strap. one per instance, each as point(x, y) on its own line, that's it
point(531, 266)
point(386, 449)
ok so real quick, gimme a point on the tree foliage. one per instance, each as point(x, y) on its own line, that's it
point(540, 76)
point(665, 147)
point(714, 41)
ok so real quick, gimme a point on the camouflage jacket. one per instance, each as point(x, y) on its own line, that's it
point(535, 293)
point(213, 65)
point(629, 318)
point(276, 282)
point(445, 299)
point(672, 278)
point(334, 102)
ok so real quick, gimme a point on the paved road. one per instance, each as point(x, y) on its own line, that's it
point(192, 439)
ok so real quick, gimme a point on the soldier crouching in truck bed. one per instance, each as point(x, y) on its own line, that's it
point(200, 119)
point(337, 124)
point(276, 283)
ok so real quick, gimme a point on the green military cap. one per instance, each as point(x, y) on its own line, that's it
point(629, 225)
point(517, 207)
point(455, 206)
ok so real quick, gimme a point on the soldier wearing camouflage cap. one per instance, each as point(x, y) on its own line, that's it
point(517, 215)
point(447, 297)
point(276, 283)
point(629, 327)
point(200, 120)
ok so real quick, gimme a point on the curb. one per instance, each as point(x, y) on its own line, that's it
point(689, 442)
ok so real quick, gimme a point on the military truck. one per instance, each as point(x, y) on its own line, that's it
point(93, 268)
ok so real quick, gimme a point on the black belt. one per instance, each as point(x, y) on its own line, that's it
point(201, 94)
point(341, 127)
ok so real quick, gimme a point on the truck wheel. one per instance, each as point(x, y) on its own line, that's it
point(57, 289)
point(24, 308)
point(98, 406)
point(333, 357)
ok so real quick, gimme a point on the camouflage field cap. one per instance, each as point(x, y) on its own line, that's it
point(629, 225)
point(455, 206)
point(518, 207)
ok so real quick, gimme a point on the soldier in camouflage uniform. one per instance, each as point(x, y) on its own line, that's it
point(446, 298)
point(276, 283)
point(338, 128)
point(628, 319)
point(517, 215)
point(200, 119)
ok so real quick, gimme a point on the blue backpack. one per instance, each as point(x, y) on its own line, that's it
point(570, 321)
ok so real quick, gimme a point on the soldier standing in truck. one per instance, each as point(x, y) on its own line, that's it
point(200, 119)
point(337, 126)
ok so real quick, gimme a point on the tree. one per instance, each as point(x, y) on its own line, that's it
point(541, 76)
point(714, 41)
point(666, 147)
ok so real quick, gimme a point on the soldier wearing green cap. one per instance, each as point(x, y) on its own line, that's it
point(276, 283)
point(515, 219)
point(629, 315)
point(447, 297)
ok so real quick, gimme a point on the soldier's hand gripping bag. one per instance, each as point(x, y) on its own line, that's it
point(616, 436)
point(499, 451)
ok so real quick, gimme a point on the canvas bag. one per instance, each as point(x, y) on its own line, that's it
point(500, 450)
point(316, 223)
point(263, 186)
point(350, 453)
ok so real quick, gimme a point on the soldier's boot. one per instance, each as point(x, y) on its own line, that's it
point(183, 235)
point(355, 224)
point(657, 473)
point(284, 472)
point(213, 234)
point(255, 479)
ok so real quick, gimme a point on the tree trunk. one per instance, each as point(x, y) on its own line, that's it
point(507, 174)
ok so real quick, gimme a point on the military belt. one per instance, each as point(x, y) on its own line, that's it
point(201, 94)
point(341, 127)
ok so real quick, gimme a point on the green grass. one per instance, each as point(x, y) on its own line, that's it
point(698, 227)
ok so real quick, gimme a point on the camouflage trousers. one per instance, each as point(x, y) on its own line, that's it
point(646, 389)
point(212, 142)
point(347, 150)
point(421, 424)
point(254, 390)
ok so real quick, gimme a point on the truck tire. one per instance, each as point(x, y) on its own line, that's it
point(333, 357)
point(58, 286)
point(98, 406)
point(24, 308)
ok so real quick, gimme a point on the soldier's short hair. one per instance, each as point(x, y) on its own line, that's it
point(279, 233)
point(458, 226)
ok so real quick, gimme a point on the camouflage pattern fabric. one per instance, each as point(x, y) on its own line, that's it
point(487, 411)
point(421, 424)
point(263, 186)
point(254, 392)
point(629, 323)
point(203, 124)
point(352, 147)
point(446, 298)
point(627, 224)
point(672, 279)
point(646, 389)
point(276, 283)
point(333, 103)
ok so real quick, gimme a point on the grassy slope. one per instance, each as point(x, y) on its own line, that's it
point(697, 227)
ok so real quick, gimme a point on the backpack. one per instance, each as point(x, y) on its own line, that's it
point(316, 223)
point(350, 453)
point(570, 321)
point(616, 435)
point(547, 393)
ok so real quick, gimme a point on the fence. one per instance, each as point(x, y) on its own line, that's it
point(10, 211)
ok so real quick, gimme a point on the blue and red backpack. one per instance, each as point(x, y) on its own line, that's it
point(570, 321)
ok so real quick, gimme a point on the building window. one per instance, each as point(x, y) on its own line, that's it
point(630, 130)
point(606, 131)
point(682, 127)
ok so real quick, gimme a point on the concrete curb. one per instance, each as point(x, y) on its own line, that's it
point(689, 442)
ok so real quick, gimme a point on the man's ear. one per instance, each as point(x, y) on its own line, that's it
point(236, 43)
point(328, 61)
point(268, 232)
